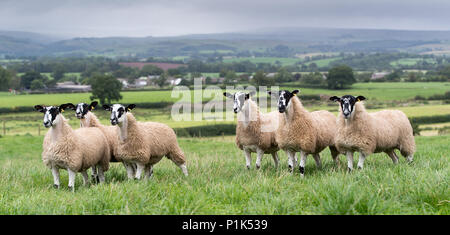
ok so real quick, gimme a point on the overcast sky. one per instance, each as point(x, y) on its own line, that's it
point(99, 18)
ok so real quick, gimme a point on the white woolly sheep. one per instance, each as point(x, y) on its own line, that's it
point(303, 131)
point(84, 113)
point(255, 131)
point(74, 150)
point(144, 143)
point(368, 133)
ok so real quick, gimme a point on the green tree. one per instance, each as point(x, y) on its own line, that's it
point(260, 79)
point(150, 69)
point(29, 77)
point(37, 84)
point(340, 77)
point(283, 75)
point(58, 72)
point(6, 77)
point(161, 80)
point(105, 88)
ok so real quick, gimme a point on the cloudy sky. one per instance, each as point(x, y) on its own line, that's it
point(99, 18)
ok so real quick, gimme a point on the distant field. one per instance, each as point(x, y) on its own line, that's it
point(271, 60)
point(411, 61)
point(323, 62)
point(372, 91)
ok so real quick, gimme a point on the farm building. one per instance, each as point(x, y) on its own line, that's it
point(379, 75)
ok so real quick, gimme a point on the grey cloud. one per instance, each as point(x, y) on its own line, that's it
point(158, 18)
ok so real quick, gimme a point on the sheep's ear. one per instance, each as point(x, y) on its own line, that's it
point(39, 108)
point(360, 98)
point(228, 95)
point(335, 98)
point(70, 106)
point(63, 107)
point(107, 107)
point(92, 105)
point(130, 107)
point(294, 92)
point(271, 94)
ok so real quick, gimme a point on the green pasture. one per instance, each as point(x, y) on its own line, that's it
point(219, 183)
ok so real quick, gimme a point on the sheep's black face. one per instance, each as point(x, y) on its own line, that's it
point(283, 99)
point(50, 114)
point(239, 98)
point(118, 112)
point(82, 109)
point(347, 103)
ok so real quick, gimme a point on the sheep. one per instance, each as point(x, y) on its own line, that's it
point(89, 119)
point(252, 130)
point(303, 131)
point(144, 143)
point(74, 150)
point(367, 133)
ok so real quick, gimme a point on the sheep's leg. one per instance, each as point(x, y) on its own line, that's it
point(101, 175)
point(248, 158)
point(139, 170)
point(184, 169)
point(393, 156)
point(317, 159)
point(130, 172)
point(275, 159)
point(303, 157)
point(410, 158)
point(292, 159)
point(335, 155)
point(72, 175)
point(291, 164)
point(361, 159)
point(259, 154)
point(350, 161)
point(148, 172)
point(94, 175)
point(55, 173)
point(85, 177)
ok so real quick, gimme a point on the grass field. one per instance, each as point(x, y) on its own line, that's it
point(373, 91)
point(219, 183)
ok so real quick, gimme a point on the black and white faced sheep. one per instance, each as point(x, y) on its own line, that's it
point(303, 131)
point(74, 150)
point(144, 143)
point(367, 133)
point(255, 131)
point(83, 112)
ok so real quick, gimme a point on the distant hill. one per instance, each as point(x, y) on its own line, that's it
point(257, 42)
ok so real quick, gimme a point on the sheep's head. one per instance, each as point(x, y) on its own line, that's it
point(347, 103)
point(283, 97)
point(51, 113)
point(118, 112)
point(82, 109)
point(239, 99)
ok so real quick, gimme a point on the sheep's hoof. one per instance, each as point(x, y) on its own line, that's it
point(360, 168)
point(290, 167)
point(56, 186)
point(248, 167)
point(349, 169)
point(302, 170)
point(72, 189)
point(257, 167)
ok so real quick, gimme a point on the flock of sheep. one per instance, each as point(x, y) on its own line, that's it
point(140, 145)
